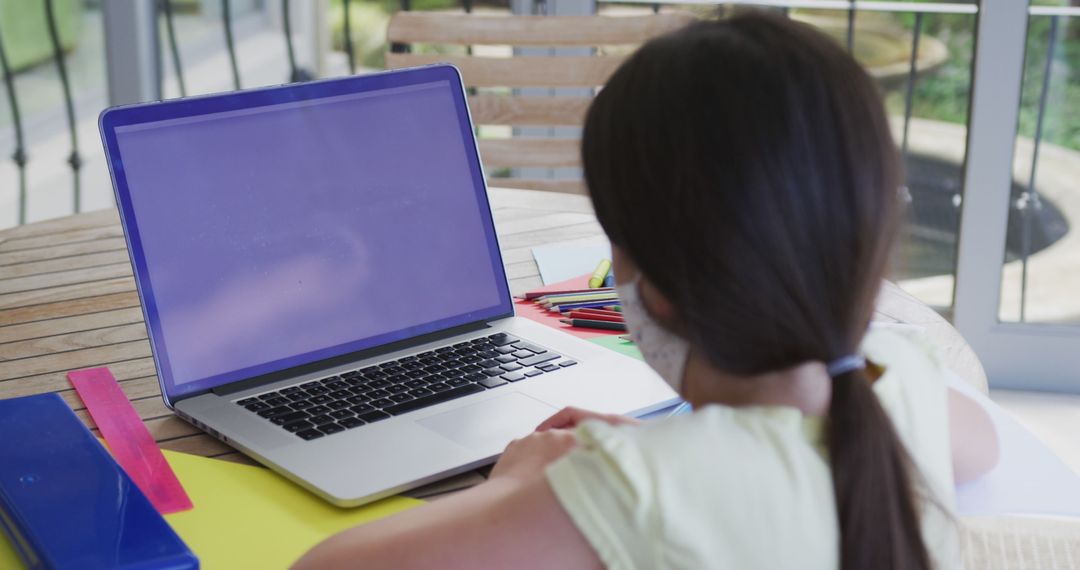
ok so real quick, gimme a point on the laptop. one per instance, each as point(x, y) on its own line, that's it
point(323, 288)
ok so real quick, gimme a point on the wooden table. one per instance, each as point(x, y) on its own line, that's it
point(68, 301)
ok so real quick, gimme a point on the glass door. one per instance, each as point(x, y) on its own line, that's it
point(1018, 265)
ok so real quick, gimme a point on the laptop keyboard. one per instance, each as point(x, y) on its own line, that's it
point(351, 399)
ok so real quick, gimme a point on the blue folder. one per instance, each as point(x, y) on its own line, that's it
point(65, 503)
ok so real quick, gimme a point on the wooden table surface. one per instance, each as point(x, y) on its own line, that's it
point(68, 301)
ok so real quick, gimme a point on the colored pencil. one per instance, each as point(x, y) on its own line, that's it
point(529, 296)
point(590, 324)
point(605, 296)
point(580, 314)
point(603, 312)
point(571, 306)
point(600, 273)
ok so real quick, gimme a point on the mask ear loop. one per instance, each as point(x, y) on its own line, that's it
point(845, 364)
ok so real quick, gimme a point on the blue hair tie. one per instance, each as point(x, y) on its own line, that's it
point(845, 364)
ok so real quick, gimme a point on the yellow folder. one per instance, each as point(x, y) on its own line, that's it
point(249, 517)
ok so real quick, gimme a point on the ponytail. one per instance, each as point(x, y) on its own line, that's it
point(872, 475)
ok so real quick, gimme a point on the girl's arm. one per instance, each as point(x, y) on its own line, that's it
point(974, 438)
point(513, 520)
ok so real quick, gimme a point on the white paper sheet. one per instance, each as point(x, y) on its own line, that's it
point(1029, 479)
point(561, 262)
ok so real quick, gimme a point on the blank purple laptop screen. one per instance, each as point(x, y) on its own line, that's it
point(282, 234)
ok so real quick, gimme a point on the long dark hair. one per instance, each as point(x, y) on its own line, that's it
point(747, 167)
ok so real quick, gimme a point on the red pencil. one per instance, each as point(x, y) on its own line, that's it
point(604, 312)
point(595, 317)
point(591, 324)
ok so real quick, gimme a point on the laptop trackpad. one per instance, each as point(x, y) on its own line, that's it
point(489, 425)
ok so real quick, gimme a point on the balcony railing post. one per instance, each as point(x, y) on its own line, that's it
point(230, 44)
point(170, 29)
point(19, 156)
point(1029, 202)
point(74, 160)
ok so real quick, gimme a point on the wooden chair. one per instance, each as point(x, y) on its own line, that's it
point(498, 107)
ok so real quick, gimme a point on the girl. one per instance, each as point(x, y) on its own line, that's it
point(746, 176)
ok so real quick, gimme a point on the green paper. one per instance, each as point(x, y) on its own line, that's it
point(616, 343)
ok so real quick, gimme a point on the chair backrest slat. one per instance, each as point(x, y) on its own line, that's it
point(469, 29)
point(525, 152)
point(490, 109)
point(539, 71)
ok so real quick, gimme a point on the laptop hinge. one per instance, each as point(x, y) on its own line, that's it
point(241, 385)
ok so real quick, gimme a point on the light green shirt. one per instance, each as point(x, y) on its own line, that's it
point(750, 487)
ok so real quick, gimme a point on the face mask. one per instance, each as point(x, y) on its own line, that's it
point(663, 350)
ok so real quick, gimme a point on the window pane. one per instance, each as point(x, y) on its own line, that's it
point(1041, 270)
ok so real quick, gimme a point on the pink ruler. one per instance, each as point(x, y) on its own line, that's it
point(129, 440)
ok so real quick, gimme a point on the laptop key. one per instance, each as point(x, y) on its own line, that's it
point(288, 418)
point(548, 367)
point(349, 423)
point(416, 383)
point(279, 401)
point(505, 358)
point(320, 399)
point(301, 405)
point(297, 396)
point(505, 349)
point(274, 411)
point(317, 390)
point(290, 390)
point(455, 382)
point(502, 339)
point(471, 368)
point(309, 385)
point(567, 363)
point(357, 399)
point(315, 410)
point(434, 399)
point(309, 434)
point(319, 420)
point(361, 408)
point(338, 385)
point(420, 392)
point(382, 403)
point(513, 376)
point(330, 428)
point(397, 389)
point(511, 367)
point(375, 416)
point(340, 414)
point(338, 404)
point(476, 377)
point(298, 425)
point(380, 383)
point(340, 394)
point(247, 401)
point(538, 359)
point(268, 396)
point(522, 354)
point(257, 406)
point(531, 347)
point(496, 371)
point(532, 373)
point(492, 382)
point(401, 398)
point(439, 387)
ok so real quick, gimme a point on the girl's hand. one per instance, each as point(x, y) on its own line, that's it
point(570, 418)
point(526, 457)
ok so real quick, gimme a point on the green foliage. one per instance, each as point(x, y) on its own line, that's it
point(944, 94)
